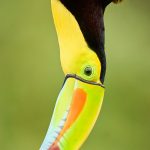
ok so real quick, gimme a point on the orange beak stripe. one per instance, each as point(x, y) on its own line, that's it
point(78, 101)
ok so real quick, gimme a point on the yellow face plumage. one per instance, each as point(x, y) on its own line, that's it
point(76, 56)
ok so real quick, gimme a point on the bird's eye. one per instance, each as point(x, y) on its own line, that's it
point(88, 71)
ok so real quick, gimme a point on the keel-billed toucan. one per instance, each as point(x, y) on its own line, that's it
point(80, 30)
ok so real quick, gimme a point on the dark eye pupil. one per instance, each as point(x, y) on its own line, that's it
point(88, 71)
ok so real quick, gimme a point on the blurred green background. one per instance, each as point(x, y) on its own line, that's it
point(31, 76)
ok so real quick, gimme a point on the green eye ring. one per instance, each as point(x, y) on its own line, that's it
point(88, 72)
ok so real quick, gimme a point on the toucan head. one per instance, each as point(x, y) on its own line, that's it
point(84, 64)
point(80, 30)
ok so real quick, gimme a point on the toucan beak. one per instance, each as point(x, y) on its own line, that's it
point(75, 113)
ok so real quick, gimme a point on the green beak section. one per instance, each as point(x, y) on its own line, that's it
point(77, 108)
